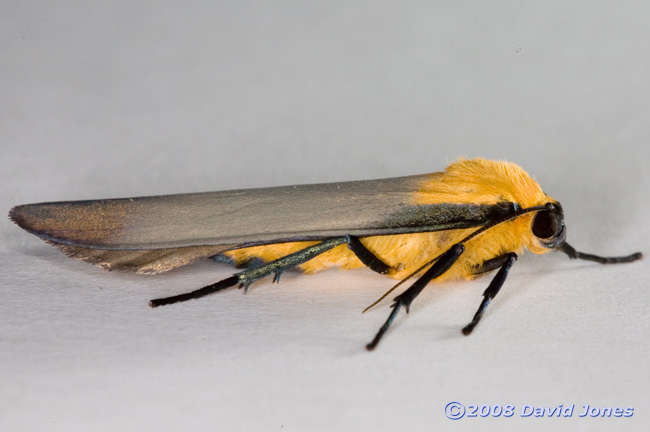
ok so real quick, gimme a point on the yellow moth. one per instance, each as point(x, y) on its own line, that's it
point(475, 217)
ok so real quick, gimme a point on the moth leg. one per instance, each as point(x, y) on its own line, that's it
point(406, 298)
point(492, 290)
point(491, 264)
point(223, 284)
point(574, 254)
point(369, 259)
point(248, 276)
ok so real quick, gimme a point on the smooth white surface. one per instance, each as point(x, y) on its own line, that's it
point(120, 99)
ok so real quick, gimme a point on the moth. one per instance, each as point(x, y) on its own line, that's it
point(474, 218)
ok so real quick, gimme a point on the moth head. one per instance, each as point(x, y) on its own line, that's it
point(548, 226)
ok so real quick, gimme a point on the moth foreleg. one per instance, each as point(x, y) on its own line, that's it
point(574, 254)
point(506, 261)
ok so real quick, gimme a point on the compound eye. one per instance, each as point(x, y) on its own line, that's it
point(546, 225)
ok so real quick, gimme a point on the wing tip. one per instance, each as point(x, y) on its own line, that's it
point(24, 218)
point(33, 218)
point(16, 216)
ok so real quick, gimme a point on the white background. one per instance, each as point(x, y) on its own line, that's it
point(123, 98)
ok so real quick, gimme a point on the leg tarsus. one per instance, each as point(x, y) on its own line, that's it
point(396, 307)
point(492, 290)
point(223, 284)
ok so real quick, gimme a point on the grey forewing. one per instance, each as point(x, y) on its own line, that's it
point(254, 216)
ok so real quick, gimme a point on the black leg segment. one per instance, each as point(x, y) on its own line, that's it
point(226, 283)
point(369, 259)
point(406, 298)
point(574, 254)
point(492, 289)
point(491, 264)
